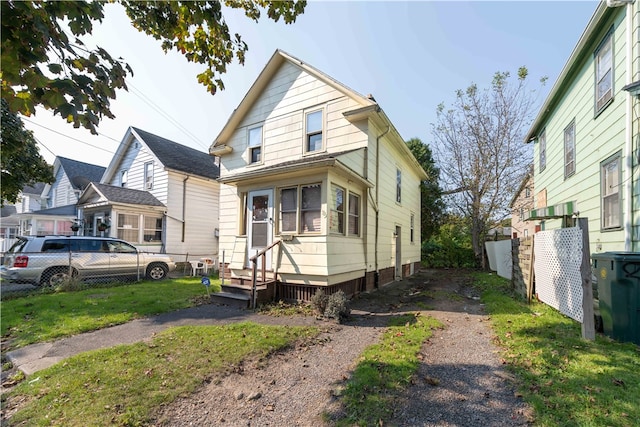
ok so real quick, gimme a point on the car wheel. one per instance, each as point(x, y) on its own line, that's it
point(157, 271)
point(54, 276)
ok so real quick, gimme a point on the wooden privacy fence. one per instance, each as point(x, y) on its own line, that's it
point(522, 276)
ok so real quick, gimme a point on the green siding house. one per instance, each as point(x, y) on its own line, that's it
point(587, 134)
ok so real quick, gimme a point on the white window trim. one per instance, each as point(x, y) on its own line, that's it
point(251, 147)
point(124, 178)
point(323, 131)
point(542, 148)
point(332, 210)
point(572, 126)
point(299, 212)
point(617, 158)
point(148, 175)
point(607, 41)
point(348, 214)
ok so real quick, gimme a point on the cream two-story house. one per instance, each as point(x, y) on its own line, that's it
point(317, 175)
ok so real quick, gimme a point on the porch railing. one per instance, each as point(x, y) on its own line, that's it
point(254, 269)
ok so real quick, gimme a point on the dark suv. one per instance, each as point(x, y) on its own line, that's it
point(49, 260)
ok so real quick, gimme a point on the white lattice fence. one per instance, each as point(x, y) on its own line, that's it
point(558, 255)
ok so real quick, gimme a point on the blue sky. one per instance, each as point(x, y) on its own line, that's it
point(411, 56)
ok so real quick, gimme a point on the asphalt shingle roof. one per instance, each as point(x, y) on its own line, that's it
point(80, 173)
point(59, 210)
point(180, 157)
point(127, 195)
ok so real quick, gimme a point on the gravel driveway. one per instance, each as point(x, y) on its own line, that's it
point(460, 382)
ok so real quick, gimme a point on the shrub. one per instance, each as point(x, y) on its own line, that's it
point(319, 302)
point(337, 306)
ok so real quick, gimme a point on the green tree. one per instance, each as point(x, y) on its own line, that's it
point(432, 206)
point(21, 163)
point(481, 150)
point(46, 63)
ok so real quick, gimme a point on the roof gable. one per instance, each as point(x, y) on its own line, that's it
point(265, 76)
point(79, 173)
point(170, 154)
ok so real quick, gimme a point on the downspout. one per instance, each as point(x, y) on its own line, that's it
point(628, 145)
point(184, 206)
point(376, 206)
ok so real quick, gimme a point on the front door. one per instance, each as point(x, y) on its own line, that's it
point(260, 225)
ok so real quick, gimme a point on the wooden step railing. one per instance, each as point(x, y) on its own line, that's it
point(254, 269)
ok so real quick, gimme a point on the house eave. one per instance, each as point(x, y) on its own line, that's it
point(220, 150)
point(302, 168)
point(558, 86)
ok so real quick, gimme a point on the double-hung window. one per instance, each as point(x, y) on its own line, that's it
point(255, 145)
point(313, 131)
point(354, 215)
point(310, 209)
point(124, 176)
point(542, 147)
point(288, 209)
point(152, 228)
point(570, 150)
point(336, 220)
point(300, 208)
point(148, 176)
point(604, 73)
point(610, 192)
point(411, 230)
point(128, 227)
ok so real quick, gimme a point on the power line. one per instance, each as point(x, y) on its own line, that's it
point(137, 92)
point(70, 137)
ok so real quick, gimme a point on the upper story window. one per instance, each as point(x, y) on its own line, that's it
point(398, 185)
point(124, 176)
point(570, 150)
point(604, 73)
point(542, 139)
point(610, 192)
point(313, 131)
point(527, 192)
point(148, 175)
point(255, 145)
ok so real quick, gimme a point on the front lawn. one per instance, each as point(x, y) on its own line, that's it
point(123, 385)
point(45, 317)
point(569, 381)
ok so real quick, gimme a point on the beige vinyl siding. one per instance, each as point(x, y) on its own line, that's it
point(281, 111)
point(201, 215)
point(394, 214)
point(230, 213)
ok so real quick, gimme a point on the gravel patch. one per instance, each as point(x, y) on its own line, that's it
point(460, 382)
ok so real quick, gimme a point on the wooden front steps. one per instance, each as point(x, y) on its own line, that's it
point(239, 292)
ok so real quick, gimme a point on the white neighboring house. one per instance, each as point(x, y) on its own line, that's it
point(58, 200)
point(157, 194)
point(313, 164)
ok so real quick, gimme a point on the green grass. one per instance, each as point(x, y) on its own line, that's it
point(567, 380)
point(45, 317)
point(384, 371)
point(124, 385)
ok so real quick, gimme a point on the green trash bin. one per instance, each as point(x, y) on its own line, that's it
point(618, 275)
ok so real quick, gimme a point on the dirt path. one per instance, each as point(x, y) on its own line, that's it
point(460, 382)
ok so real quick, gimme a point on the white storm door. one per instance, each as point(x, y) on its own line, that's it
point(260, 225)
